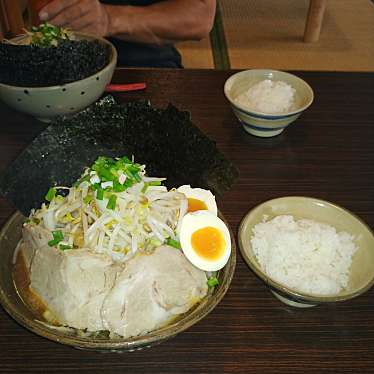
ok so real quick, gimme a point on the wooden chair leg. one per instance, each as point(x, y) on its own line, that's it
point(314, 20)
point(13, 15)
point(4, 24)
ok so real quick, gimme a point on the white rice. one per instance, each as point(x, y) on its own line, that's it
point(304, 255)
point(268, 97)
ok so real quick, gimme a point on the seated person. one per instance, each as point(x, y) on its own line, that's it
point(143, 31)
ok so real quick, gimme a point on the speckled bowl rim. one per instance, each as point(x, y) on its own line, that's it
point(112, 61)
point(118, 344)
point(273, 116)
point(288, 292)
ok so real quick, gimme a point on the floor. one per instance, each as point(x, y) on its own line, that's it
point(247, 35)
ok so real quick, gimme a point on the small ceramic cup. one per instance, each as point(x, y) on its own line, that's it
point(265, 124)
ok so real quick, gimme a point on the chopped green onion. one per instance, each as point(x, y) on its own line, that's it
point(133, 168)
point(118, 187)
point(106, 175)
point(112, 202)
point(110, 170)
point(173, 243)
point(100, 194)
point(153, 183)
point(128, 183)
point(96, 186)
point(52, 243)
point(125, 160)
point(50, 194)
point(58, 236)
point(212, 282)
point(64, 247)
point(46, 35)
point(137, 177)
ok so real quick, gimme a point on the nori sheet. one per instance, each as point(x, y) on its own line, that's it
point(165, 140)
point(34, 66)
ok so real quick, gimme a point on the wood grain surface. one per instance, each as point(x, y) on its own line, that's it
point(328, 153)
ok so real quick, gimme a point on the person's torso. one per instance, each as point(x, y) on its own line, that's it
point(141, 54)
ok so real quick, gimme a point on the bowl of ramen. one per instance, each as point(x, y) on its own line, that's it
point(50, 71)
point(116, 261)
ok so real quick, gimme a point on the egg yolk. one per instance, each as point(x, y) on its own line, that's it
point(195, 204)
point(208, 243)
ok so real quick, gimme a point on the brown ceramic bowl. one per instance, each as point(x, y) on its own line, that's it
point(362, 267)
point(23, 314)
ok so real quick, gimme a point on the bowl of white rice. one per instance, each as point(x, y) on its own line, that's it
point(308, 251)
point(267, 101)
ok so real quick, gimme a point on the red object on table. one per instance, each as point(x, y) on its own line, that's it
point(125, 87)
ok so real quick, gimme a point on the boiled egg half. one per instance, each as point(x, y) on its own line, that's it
point(205, 240)
point(199, 199)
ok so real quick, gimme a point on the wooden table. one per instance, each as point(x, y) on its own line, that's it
point(328, 153)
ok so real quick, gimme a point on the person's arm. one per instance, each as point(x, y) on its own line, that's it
point(162, 22)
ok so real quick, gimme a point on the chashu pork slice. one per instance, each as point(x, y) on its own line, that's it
point(89, 291)
point(151, 290)
point(33, 237)
point(72, 283)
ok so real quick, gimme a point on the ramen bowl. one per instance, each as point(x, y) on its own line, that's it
point(12, 301)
